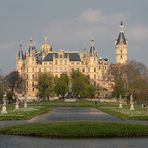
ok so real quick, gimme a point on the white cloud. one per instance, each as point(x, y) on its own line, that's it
point(138, 32)
point(6, 45)
point(78, 30)
point(98, 16)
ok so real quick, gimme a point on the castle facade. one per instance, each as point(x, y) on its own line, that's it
point(34, 61)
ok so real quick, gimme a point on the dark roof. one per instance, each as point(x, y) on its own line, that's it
point(121, 38)
point(49, 57)
point(21, 55)
point(92, 50)
point(72, 56)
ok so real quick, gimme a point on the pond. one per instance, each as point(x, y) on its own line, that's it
point(8, 141)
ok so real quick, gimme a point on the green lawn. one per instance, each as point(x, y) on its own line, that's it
point(38, 108)
point(77, 130)
point(24, 113)
point(125, 113)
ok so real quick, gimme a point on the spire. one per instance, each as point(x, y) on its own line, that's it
point(121, 27)
point(121, 37)
point(92, 42)
point(31, 42)
point(92, 48)
point(20, 53)
point(21, 49)
point(45, 39)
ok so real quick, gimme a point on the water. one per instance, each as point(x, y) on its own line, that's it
point(7, 141)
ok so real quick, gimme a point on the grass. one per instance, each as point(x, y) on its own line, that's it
point(38, 108)
point(78, 130)
point(125, 113)
point(24, 113)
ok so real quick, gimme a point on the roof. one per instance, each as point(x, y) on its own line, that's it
point(72, 56)
point(121, 38)
point(21, 55)
point(92, 50)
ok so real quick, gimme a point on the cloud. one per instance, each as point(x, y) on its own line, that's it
point(7, 45)
point(138, 32)
point(78, 30)
point(98, 16)
point(75, 33)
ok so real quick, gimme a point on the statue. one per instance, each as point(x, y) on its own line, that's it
point(131, 102)
point(25, 102)
point(17, 104)
point(4, 108)
point(120, 102)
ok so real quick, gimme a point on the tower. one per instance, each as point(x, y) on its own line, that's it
point(20, 60)
point(121, 47)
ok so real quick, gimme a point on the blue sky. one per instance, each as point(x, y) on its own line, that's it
point(70, 24)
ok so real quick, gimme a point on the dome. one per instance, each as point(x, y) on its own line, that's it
point(46, 47)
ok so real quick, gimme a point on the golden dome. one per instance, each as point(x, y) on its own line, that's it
point(46, 47)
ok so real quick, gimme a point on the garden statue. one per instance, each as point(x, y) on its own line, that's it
point(132, 102)
point(120, 102)
point(17, 104)
point(4, 108)
point(25, 102)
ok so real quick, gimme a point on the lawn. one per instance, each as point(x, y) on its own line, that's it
point(77, 130)
point(38, 108)
point(32, 110)
point(125, 113)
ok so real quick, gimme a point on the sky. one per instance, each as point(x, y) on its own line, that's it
point(71, 24)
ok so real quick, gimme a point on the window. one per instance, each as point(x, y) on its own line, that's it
point(56, 62)
point(121, 56)
point(32, 84)
point(33, 76)
point(94, 69)
point(83, 70)
point(94, 76)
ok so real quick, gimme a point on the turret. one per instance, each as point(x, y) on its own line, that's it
point(121, 47)
point(31, 49)
point(20, 57)
point(92, 48)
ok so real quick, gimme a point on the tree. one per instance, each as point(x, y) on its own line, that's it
point(46, 85)
point(119, 89)
point(62, 85)
point(130, 78)
point(81, 85)
point(14, 82)
point(1, 87)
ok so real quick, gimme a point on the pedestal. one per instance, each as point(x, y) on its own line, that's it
point(4, 110)
point(132, 107)
point(120, 105)
point(25, 104)
point(16, 106)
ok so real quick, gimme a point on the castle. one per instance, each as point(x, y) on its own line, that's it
point(32, 62)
